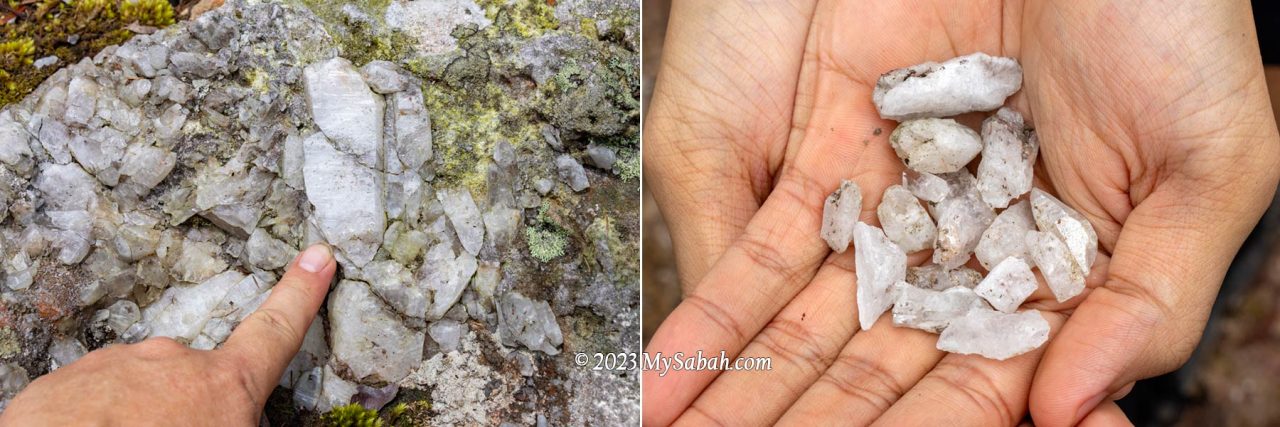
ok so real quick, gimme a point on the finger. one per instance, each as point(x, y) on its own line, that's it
point(970, 390)
point(267, 340)
point(1165, 271)
point(718, 120)
point(873, 370)
point(1108, 414)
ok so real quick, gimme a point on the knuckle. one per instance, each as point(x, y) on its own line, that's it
point(864, 379)
point(716, 315)
point(277, 322)
point(796, 344)
point(973, 384)
point(160, 347)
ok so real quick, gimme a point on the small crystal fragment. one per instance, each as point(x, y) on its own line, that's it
point(1008, 157)
point(880, 263)
point(926, 186)
point(1008, 285)
point(934, 277)
point(1006, 237)
point(1076, 232)
point(1056, 265)
point(839, 214)
point(905, 221)
point(931, 310)
point(962, 217)
point(935, 145)
point(974, 82)
point(995, 335)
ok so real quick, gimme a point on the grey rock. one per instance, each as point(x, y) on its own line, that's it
point(384, 77)
point(465, 217)
point(447, 333)
point(447, 275)
point(368, 338)
point(602, 157)
point(571, 173)
point(529, 323)
point(266, 252)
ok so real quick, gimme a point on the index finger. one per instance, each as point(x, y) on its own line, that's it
point(272, 335)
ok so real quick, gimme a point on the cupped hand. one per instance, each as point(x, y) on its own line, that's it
point(771, 294)
point(161, 382)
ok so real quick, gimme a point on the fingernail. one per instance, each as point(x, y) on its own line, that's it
point(315, 258)
point(1088, 406)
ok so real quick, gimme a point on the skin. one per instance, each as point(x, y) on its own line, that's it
point(159, 380)
point(1154, 123)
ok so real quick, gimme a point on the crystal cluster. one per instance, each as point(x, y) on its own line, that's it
point(995, 216)
point(160, 189)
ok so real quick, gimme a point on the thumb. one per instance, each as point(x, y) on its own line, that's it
point(265, 342)
point(1164, 275)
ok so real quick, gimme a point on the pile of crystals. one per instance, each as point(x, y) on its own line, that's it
point(996, 216)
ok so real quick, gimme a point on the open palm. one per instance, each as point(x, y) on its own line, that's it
point(1140, 123)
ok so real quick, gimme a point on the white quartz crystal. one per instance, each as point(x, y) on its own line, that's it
point(347, 197)
point(1008, 158)
point(1006, 237)
point(465, 217)
point(1007, 285)
point(926, 186)
point(839, 214)
point(962, 217)
point(447, 275)
point(182, 310)
point(974, 82)
point(368, 337)
point(1076, 232)
point(905, 221)
point(934, 277)
point(880, 263)
point(935, 145)
point(1056, 264)
point(931, 310)
point(995, 335)
point(345, 109)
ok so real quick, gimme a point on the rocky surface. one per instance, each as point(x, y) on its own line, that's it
point(473, 165)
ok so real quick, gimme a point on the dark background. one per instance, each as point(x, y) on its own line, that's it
point(1233, 379)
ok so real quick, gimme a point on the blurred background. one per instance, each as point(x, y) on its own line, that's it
point(1232, 379)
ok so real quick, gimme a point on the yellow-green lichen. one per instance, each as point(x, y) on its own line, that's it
point(45, 26)
point(9, 343)
point(545, 245)
point(359, 40)
point(526, 18)
point(628, 165)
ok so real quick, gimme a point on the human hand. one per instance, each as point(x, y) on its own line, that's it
point(158, 381)
point(890, 374)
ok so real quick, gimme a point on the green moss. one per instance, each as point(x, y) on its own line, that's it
point(362, 41)
point(354, 415)
point(526, 18)
point(48, 24)
point(588, 28)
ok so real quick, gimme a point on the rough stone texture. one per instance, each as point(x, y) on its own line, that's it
point(839, 214)
point(935, 145)
point(1056, 264)
point(931, 310)
point(1008, 157)
point(139, 184)
point(974, 82)
point(905, 221)
point(1053, 216)
point(995, 335)
point(962, 217)
point(1006, 237)
point(1007, 285)
point(880, 263)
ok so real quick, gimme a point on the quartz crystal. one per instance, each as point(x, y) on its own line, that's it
point(926, 186)
point(905, 221)
point(934, 277)
point(465, 217)
point(1006, 237)
point(572, 173)
point(181, 311)
point(1053, 216)
point(995, 335)
point(935, 145)
point(839, 214)
point(962, 217)
point(529, 323)
point(447, 275)
point(1056, 264)
point(368, 337)
point(345, 109)
point(1007, 285)
point(1008, 157)
point(931, 310)
point(879, 264)
point(347, 199)
point(974, 82)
